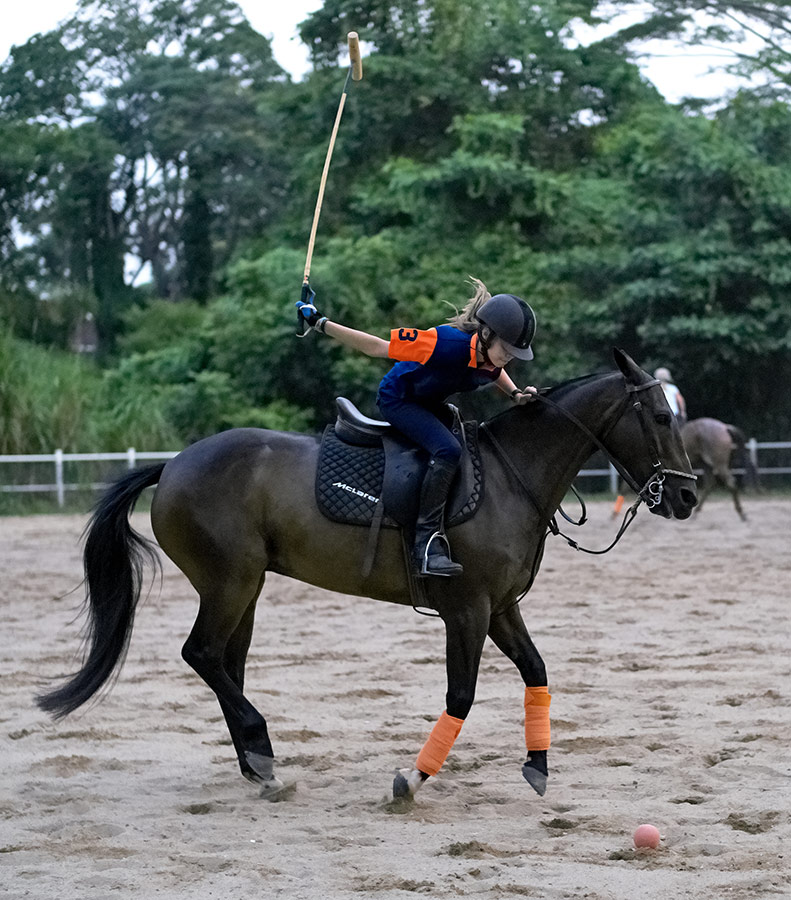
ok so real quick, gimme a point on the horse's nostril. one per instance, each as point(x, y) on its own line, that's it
point(689, 497)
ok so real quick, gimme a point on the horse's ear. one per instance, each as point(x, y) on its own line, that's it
point(625, 363)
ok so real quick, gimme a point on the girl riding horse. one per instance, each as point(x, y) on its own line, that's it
point(236, 506)
point(469, 352)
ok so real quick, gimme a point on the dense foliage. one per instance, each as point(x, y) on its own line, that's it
point(483, 140)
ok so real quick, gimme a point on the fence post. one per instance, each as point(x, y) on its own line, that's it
point(131, 457)
point(613, 479)
point(752, 447)
point(59, 477)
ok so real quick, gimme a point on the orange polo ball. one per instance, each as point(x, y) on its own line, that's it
point(646, 836)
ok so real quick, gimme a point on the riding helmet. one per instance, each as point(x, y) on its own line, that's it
point(663, 374)
point(513, 321)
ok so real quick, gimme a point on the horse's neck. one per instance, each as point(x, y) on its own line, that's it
point(549, 448)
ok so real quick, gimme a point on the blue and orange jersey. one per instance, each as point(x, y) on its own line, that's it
point(434, 364)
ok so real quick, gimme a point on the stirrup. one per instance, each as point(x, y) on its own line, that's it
point(422, 562)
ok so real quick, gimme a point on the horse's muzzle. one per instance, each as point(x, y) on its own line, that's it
point(678, 500)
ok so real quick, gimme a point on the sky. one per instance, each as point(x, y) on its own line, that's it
point(278, 21)
point(677, 72)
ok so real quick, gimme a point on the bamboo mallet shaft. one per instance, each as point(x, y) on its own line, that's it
point(357, 74)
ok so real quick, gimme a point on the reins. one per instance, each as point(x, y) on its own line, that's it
point(551, 521)
point(650, 493)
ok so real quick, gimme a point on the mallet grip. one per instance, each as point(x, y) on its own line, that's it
point(354, 56)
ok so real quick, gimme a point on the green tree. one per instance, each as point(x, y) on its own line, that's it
point(150, 135)
point(698, 272)
point(483, 140)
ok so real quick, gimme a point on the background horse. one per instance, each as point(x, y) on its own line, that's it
point(237, 505)
point(710, 444)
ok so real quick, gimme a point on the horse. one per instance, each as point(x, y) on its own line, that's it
point(236, 505)
point(710, 444)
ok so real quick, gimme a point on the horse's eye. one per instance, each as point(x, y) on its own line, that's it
point(663, 418)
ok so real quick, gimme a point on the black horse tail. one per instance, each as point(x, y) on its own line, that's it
point(114, 558)
point(747, 463)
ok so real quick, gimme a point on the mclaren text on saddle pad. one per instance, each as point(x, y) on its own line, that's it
point(356, 491)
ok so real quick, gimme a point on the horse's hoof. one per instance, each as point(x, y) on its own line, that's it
point(407, 782)
point(274, 789)
point(537, 780)
point(400, 786)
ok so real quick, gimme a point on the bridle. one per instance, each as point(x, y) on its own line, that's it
point(650, 493)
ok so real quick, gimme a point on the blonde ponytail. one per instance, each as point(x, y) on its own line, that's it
point(467, 319)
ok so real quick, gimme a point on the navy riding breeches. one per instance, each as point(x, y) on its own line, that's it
point(424, 425)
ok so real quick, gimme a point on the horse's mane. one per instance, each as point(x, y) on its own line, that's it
point(556, 393)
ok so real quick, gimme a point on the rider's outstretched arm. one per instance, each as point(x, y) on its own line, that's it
point(349, 337)
point(357, 340)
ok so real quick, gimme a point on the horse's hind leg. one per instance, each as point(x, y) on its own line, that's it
point(705, 485)
point(730, 482)
point(510, 635)
point(216, 649)
point(234, 661)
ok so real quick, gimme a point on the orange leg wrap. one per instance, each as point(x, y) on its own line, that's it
point(537, 736)
point(618, 505)
point(436, 749)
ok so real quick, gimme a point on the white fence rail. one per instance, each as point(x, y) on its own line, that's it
point(59, 486)
point(59, 458)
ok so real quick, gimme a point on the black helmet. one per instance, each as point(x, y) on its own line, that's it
point(512, 320)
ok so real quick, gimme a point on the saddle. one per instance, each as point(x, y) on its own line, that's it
point(369, 474)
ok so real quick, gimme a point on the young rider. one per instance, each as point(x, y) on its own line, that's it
point(469, 352)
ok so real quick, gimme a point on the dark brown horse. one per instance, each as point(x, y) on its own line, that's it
point(710, 444)
point(237, 505)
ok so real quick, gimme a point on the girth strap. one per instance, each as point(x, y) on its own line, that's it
point(373, 539)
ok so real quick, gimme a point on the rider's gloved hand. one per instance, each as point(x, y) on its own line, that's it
point(306, 308)
point(524, 395)
point(308, 312)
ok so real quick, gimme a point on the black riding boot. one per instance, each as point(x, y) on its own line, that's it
point(431, 555)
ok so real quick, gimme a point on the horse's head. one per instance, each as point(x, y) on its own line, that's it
point(647, 442)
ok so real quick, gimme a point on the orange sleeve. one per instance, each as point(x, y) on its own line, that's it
point(412, 345)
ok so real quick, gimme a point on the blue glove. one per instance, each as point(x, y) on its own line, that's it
point(306, 309)
point(307, 312)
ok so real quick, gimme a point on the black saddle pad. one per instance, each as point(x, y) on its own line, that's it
point(349, 481)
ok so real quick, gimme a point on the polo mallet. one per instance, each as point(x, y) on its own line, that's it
point(356, 73)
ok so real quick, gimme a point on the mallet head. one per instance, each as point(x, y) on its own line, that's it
point(354, 55)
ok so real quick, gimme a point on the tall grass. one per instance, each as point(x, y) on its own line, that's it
point(44, 398)
point(50, 399)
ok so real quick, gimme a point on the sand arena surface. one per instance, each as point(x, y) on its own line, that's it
point(670, 667)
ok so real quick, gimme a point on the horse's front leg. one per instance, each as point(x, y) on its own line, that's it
point(509, 633)
point(465, 630)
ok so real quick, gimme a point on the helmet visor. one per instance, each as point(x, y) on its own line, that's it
point(517, 352)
